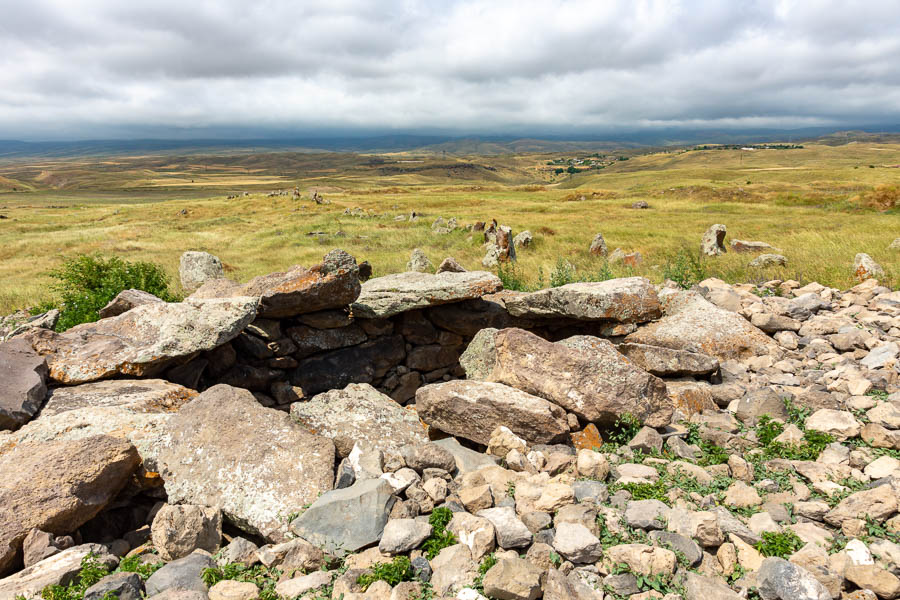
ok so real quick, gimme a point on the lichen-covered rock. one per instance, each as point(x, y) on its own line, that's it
point(58, 486)
point(59, 569)
point(134, 410)
point(473, 409)
point(258, 464)
point(23, 383)
point(692, 323)
point(669, 362)
point(713, 241)
point(178, 530)
point(125, 301)
point(393, 294)
point(359, 413)
point(627, 300)
point(143, 341)
point(584, 375)
point(348, 519)
point(334, 283)
point(196, 268)
point(865, 267)
point(778, 579)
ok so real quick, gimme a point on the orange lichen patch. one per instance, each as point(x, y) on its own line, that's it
point(587, 439)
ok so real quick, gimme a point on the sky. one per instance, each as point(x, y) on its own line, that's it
point(100, 69)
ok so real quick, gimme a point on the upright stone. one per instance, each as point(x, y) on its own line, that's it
point(713, 241)
point(196, 268)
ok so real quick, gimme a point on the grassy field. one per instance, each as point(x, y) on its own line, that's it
point(811, 203)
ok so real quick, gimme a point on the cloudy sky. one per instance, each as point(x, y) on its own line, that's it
point(95, 69)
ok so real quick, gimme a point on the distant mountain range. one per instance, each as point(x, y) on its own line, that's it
point(470, 145)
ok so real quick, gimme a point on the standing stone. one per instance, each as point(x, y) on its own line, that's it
point(419, 263)
point(359, 413)
point(865, 267)
point(23, 383)
point(196, 268)
point(713, 241)
point(349, 519)
point(58, 486)
point(598, 245)
point(450, 265)
point(523, 239)
point(258, 464)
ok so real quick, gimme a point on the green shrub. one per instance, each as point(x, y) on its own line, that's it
point(624, 429)
point(87, 283)
point(92, 571)
point(134, 564)
point(440, 538)
point(399, 569)
point(511, 277)
point(263, 577)
point(781, 544)
point(686, 268)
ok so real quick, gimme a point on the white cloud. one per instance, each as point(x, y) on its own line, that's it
point(106, 68)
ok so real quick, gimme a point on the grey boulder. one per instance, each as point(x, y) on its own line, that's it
point(349, 519)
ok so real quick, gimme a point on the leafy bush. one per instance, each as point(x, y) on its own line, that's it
point(781, 544)
point(134, 564)
point(624, 429)
point(562, 274)
point(92, 571)
point(511, 277)
point(87, 283)
point(263, 577)
point(685, 268)
point(399, 569)
point(440, 538)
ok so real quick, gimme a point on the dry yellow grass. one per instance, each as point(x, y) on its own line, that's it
point(804, 202)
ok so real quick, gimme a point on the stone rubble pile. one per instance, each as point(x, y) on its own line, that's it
point(306, 435)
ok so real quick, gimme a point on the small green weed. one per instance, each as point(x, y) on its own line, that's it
point(399, 569)
point(440, 538)
point(781, 544)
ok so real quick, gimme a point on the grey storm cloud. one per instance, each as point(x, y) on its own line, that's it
point(101, 68)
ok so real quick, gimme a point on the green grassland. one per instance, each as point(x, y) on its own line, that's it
point(819, 205)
